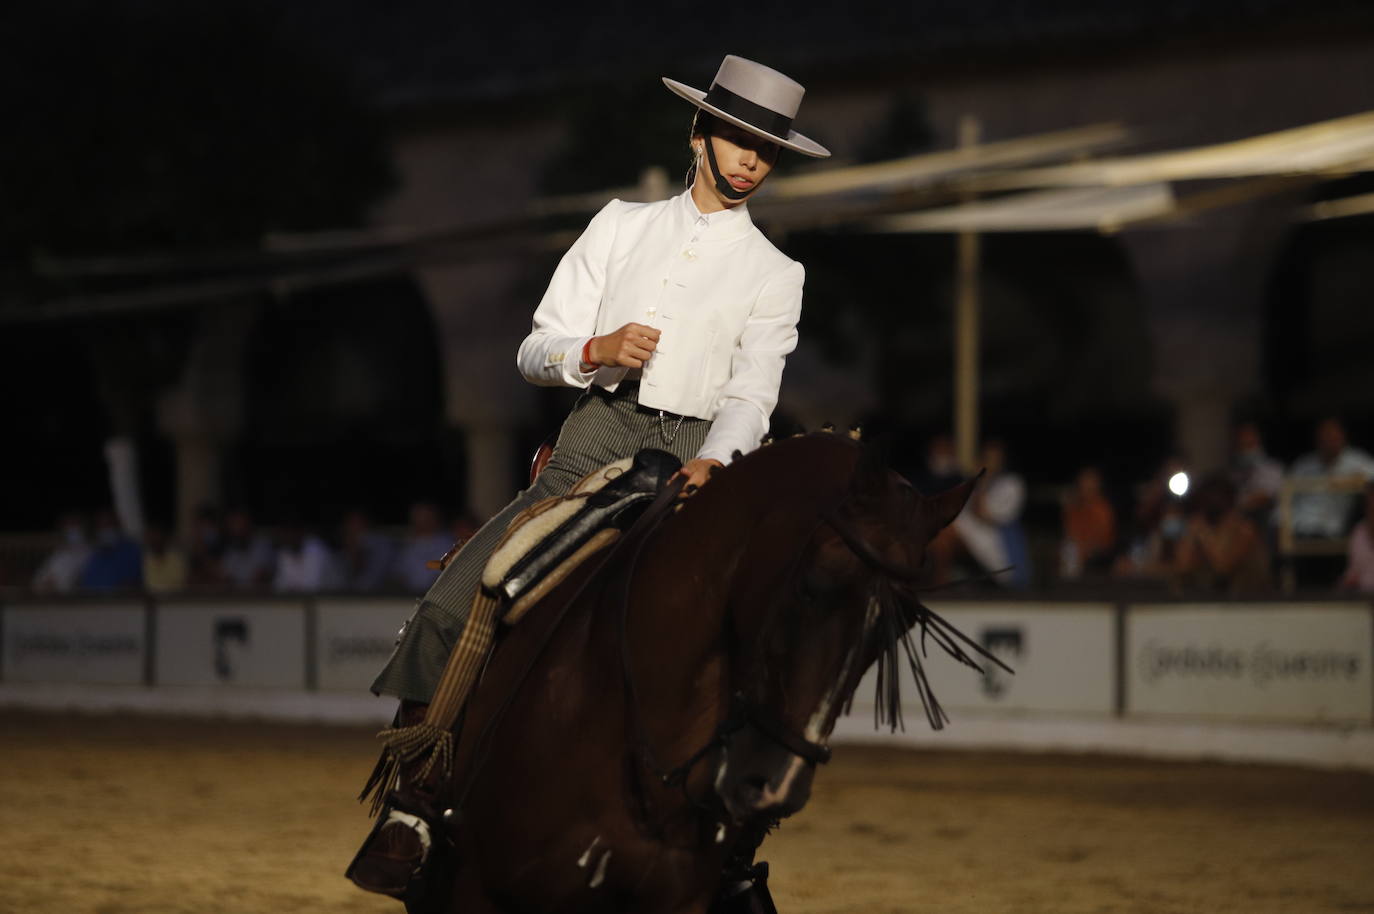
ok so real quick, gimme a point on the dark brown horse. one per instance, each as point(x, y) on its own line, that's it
point(622, 739)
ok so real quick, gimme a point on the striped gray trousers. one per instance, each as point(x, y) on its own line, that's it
point(602, 428)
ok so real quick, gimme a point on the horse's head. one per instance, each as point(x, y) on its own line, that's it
point(828, 590)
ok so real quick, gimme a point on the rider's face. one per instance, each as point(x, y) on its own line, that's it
point(745, 159)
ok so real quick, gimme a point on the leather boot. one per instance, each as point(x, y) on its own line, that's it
point(400, 842)
point(744, 883)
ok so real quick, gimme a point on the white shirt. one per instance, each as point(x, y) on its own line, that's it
point(727, 303)
point(304, 571)
point(1002, 503)
point(1327, 513)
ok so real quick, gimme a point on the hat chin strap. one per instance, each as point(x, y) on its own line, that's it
point(726, 190)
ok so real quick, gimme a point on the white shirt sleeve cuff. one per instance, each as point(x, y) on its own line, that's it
point(572, 365)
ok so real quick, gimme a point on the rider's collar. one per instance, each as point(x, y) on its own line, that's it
point(724, 224)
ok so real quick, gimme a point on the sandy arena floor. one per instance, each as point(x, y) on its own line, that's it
point(113, 815)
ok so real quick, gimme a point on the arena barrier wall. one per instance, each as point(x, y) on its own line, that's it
point(1275, 681)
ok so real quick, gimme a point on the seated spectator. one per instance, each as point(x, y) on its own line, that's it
point(989, 528)
point(941, 471)
point(304, 563)
point(61, 571)
point(367, 556)
point(1222, 551)
point(165, 568)
point(206, 548)
point(1158, 525)
point(1327, 514)
point(248, 559)
point(116, 562)
point(1359, 569)
point(426, 541)
point(1256, 475)
point(1089, 527)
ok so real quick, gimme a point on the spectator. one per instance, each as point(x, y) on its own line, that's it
point(989, 528)
point(304, 563)
point(61, 571)
point(1159, 525)
point(206, 548)
point(1256, 475)
point(1155, 498)
point(165, 568)
point(1222, 550)
point(116, 563)
point(367, 556)
point(1326, 514)
point(1089, 527)
point(247, 562)
point(942, 471)
point(425, 542)
point(1359, 570)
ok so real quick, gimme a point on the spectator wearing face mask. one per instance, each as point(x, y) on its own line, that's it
point(61, 570)
point(1159, 525)
point(1221, 551)
point(116, 563)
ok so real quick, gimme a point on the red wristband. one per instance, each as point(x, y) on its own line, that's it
point(587, 355)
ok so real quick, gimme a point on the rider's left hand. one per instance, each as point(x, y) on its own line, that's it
point(697, 472)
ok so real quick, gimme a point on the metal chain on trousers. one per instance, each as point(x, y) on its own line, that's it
point(663, 428)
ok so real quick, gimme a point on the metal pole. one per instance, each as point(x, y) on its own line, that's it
point(966, 331)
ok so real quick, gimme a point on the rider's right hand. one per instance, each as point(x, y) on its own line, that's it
point(628, 347)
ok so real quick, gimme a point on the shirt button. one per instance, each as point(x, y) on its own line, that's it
point(690, 254)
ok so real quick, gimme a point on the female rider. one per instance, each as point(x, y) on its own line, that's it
point(676, 318)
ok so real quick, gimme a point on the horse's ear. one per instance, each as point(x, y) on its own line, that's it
point(935, 513)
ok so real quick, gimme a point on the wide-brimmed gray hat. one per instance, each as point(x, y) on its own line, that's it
point(756, 98)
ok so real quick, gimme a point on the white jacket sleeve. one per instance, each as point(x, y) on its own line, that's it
point(748, 398)
point(551, 355)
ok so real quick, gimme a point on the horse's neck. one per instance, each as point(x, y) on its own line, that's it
point(726, 542)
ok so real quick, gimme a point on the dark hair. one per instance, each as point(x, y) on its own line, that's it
point(703, 124)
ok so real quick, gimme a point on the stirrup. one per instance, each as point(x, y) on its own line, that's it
point(746, 892)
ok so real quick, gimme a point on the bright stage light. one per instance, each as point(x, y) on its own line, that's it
point(1178, 484)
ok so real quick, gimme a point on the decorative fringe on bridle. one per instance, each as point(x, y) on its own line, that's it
point(424, 751)
point(899, 615)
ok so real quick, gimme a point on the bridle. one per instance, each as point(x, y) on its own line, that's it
point(743, 712)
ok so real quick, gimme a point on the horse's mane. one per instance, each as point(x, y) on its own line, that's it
point(834, 475)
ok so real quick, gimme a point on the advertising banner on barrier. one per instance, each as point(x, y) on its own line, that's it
point(1063, 655)
point(1282, 662)
point(231, 643)
point(99, 643)
point(354, 638)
